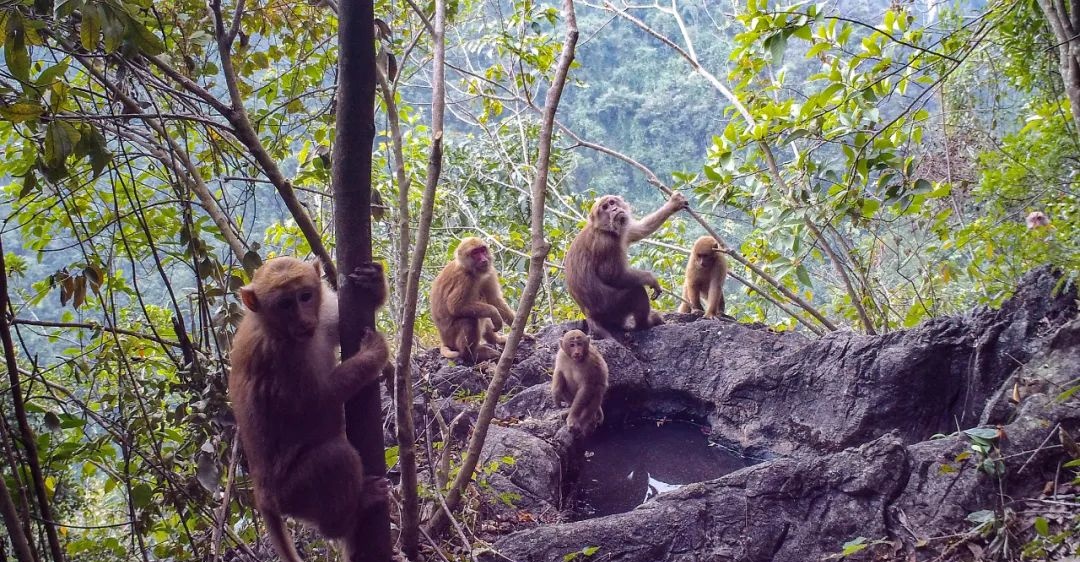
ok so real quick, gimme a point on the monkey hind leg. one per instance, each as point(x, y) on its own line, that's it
point(596, 329)
point(489, 334)
point(449, 353)
point(644, 316)
point(484, 353)
point(327, 488)
point(280, 537)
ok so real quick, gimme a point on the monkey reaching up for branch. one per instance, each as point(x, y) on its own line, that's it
point(598, 272)
point(467, 304)
point(705, 273)
point(581, 378)
point(288, 393)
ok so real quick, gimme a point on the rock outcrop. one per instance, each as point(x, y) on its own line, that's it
point(846, 424)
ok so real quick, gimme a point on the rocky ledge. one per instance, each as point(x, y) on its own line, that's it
point(862, 436)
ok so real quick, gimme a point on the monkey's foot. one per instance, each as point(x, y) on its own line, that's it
point(367, 275)
point(376, 490)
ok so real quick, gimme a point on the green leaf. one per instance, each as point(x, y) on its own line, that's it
point(775, 44)
point(15, 53)
point(251, 262)
point(52, 421)
point(853, 546)
point(60, 139)
point(92, 143)
point(869, 207)
point(817, 49)
point(52, 74)
point(22, 111)
point(1042, 526)
point(141, 495)
point(590, 550)
point(143, 39)
point(113, 29)
point(982, 432)
point(804, 276)
point(30, 184)
point(90, 30)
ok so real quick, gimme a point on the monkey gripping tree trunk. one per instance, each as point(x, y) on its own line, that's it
point(352, 219)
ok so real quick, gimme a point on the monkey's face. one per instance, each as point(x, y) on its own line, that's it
point(480, 259)
point(576, 344)
point(296, 311)
point(705, 260)
point(1037, 219)
point(610, 213)
point(286, 294)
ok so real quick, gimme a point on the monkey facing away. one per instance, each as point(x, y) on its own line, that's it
point(467, 305)
point(580, 379)
point(705, 273)
point(288, 392)
point(598, 272)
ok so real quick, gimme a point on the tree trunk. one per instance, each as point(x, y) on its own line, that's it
point(352, 218)
point(1063, 24)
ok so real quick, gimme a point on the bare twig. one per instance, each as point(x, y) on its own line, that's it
point(540, 248)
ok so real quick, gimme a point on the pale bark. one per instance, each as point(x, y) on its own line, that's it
point(539, 251)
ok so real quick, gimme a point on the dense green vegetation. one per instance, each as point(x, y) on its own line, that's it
point(875, 163)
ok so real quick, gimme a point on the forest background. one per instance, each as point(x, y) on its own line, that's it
point(868, 163)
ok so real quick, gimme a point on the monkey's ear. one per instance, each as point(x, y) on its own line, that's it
point(317, 266)
point(247, 295)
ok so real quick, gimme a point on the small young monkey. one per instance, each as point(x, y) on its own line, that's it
point(705, 274)
point(288, 392)
point(581, 379)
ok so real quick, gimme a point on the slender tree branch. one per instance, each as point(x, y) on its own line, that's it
point(29, 441)
point(406, 431)
point(95, 327)
point(540, 248)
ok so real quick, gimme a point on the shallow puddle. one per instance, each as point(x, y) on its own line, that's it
point(626, 466)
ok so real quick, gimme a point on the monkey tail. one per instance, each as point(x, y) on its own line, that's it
point(449, 353)
point(280, 538)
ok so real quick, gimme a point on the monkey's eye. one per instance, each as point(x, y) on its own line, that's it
point(306, 296)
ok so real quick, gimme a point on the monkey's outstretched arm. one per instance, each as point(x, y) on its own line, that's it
point(640, 229)
point(361, 369)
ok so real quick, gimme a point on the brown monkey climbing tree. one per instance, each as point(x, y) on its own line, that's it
point(352, 220)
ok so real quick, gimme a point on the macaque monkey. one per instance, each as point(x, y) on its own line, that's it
point(705, 273)
point(598, 272)
point(581, 378)
point(467, 304)
point(288, 392)
point(1037, 219)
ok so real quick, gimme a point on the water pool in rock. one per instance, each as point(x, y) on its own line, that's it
point(628, 465)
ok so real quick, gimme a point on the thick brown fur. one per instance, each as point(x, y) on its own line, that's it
point(598, 272)
point(706, 271)
point(581, 379)
point(288, 392)
point(467, 305)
